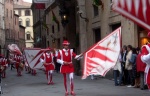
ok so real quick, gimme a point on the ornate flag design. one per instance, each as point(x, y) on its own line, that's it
point(14, 48)
point(32, 56)
point(102, 56)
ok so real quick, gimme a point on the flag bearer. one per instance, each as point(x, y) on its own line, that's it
point(18, 62)
point(65, 57)
point(47, 60)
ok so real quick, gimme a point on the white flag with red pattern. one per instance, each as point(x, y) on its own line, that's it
point(14, 49)
point(32, 57)
point(135, 10)
point(102, 56)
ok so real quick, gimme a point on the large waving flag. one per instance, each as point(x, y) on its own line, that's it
point(136, 10)
point(14, 48)
point(32, 56)
point(102, 56)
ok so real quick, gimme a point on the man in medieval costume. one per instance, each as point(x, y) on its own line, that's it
point(18, 59)
point(3, 66)
point(47, 60)
point(145, 57)
point(65, 57)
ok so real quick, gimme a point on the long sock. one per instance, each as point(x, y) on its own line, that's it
point(72, 85)
point(4, 74)
point(17, 71)
point(65, 82)
point(51, 76)
point(71, 82)
point(46, 75)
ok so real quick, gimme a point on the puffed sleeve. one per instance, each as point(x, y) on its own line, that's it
point(42, 58)
point(59, 58)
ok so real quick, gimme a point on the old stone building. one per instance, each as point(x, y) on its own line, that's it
point(2, 27)
point(83, 24)
point(26, 20)
point(9, 22)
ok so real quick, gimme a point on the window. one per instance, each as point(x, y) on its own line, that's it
point(95, 9)
point(0, 22)
point(28, 36)
point(27, 22)
point(11, 13)
point(27, 12)
point(7, 12)
point(19, 12)
point(20, 21)
point(48, 43)
point(115, 26)
point(53, 31)
point(58, 27)
point(15, 20)
point(97, 35)
point(47, 31)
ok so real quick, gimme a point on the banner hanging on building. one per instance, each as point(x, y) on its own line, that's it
point(40, 5)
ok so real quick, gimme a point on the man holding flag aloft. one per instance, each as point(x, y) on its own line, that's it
point(65, 57)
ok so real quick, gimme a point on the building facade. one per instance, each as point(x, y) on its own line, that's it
point(9, 23)
point(38, 26)
point(2, 27)
point(19, 33)
point(26, 19)
point(22, 37)
point(83, 24)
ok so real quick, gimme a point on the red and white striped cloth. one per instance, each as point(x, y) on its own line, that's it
point(135, 10)
point(102, 56)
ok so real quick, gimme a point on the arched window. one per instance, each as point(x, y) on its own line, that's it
point(28, 35)
point(27, 12)
point(20, 21)
point(27, 22)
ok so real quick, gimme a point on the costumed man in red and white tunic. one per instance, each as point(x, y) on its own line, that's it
point(11, 60)
point(3, 65)
point(145, 57)
point(47, 60)
point(18, 60)
point(65, 57)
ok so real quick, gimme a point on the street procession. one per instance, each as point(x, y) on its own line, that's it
point(74, 48)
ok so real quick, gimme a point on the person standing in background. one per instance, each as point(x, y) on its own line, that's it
point(124, 71)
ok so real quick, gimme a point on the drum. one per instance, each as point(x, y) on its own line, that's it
point(2, 68)
point(21, 65)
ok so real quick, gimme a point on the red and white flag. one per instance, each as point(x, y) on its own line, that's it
point(136, 10)
point(14, 48)
point(32, 57)
point(102, 56)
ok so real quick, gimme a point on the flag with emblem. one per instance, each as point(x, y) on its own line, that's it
point(101, 57)
point(135, 10)
point(32, 56)
point(14, 48)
